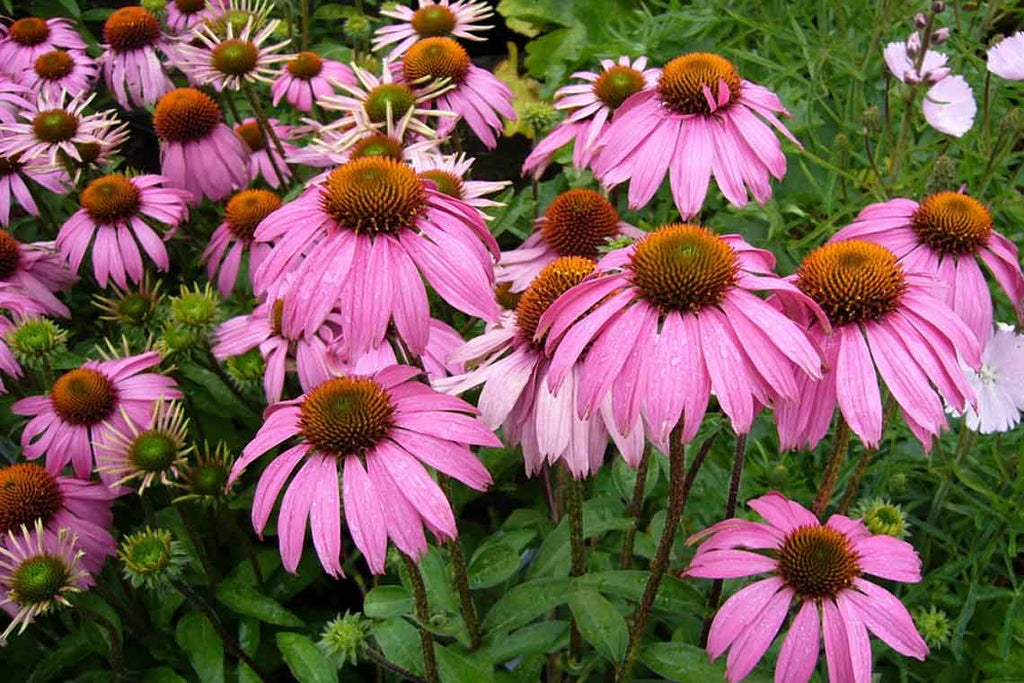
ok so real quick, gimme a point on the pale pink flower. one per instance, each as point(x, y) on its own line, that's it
point(948, 104)
point(25, 39)
point(449, 173)
point(55, 127)
point(66, 422)
point(821, 567)
point(944, 236)
point(306, 78)
point(182, 15)
point(884, 320)
point(261, 150)
point(234, 238)
point(1006, 58)
point(139, 453)
point(13, 97)
point(381, 430)
point(70, 70)
point(227, 61)
point(933, 66)
point(15, 170)
point(702, 119)
point(433, 18)
point(35, 270)
point(114, 218)
point(998, 383)
point(591, 105)
point(132, 66)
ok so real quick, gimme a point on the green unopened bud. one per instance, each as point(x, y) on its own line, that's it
point(882, 517)
point(207, 474)
point(778, 475)
point(131, 307)
point(540, 116)
point(342, 637)
point(934, 626)
point(154, 6)
point(943, 175)
point(36, 341)
point(195, 308)
point(177, 339)
point(1011, 121)
point(151, 557)
point(358, 28)
point(841, 141)
point(871, 119)
point(246, 370)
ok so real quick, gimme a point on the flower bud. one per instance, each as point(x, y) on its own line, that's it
point(195, 308)
point(914, 44)
point(871, 118)
point(151, 557)
point(911, 77)
point(541, 116)
point(206, 474)
point(882, 517)
point(936, 75)
point(939, 7)
point(940, 36)
point(357, 28)
point(934, 626)
point(1011, 122)
point(342, 637)
point(36, 342)
point(920, 20)
point(943, 175)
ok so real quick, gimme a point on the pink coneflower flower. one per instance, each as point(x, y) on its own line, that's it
point(15, 308)
point(944, 235)
point(448, 173)
point(591, 104)
point(117, 211)
point(29, 493)
point(998, 383)
point(226, 62)
point(198, 152)
point(141, 453)
point(234, 237)
point(340, 142)
point(25, 39)
point(132, 67)
point(69, 70)
point(577, 223)
point(306, 78)
point(514, 371)
point(66, 423)
point(14, 171)
point(1006, 58)
point(381, 430)
point(948, 104)
point(431, 20)
point(716, 336)
point(182, 15)
point(436, 357)
point(37, 574)
point(703, 119)
point(97, 155)
point(53, 128)
point(886, 321)
point(475, 94)
point(36, 271)
point(13, 97)
point(365, 240)
point(822, 568)
point(264, 158)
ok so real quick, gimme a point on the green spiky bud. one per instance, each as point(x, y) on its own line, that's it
point(540, 116)
point(358, 28)
point(943, 175)
point(246, 369)
point(882, 517)
point(934, 626)
point(342, 637)
point(36, 341)
point(196, 308)
point(149, 558)
point(871, 119)
point(206, 475)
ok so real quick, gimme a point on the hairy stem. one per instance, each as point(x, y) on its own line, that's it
point(834, 463)
point(574, 503)
point(636, 508)
point(462, 577)
point(419, 591)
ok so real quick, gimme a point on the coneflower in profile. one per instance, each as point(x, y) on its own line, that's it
point(132, 66)
point(432, 19)
point(306, 78)
point(233, 238)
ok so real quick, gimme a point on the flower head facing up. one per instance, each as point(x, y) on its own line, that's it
point(374, 195)
point(230, 60)
point(83, 396)
point(695, 83)
point(131, 28)
point(232, 238)
point(55, 128)
point(27, 493)
point(148, 451)
point(852, 281)
point(186, 114)
point(436, 59)
point(380, 430)
point(151, 557)
point(29, 31)
point(822, 567)
point(432, 19)
point(111, 199)
point(132, 66)
point(952, 224)
point(306, 78)
point(58, 70)
point(29, 37)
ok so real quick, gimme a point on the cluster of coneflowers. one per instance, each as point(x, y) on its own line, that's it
point(596, 331)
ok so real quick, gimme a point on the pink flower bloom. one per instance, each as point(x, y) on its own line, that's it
point(948, 105)
point(145, 452)
point(364, 240)
point(340, 142)
point(25, 39)
point(701, 120)
point(432, 19)
point(29, 493)
point(97, 155)
point(198, 152)
point(14, 171)
point(436, 358)
point(884, 321)
point(306, 78)
point(234, 237)
point(475, 94)
point(902, 66)
point(591, 105)
point(132, 67)
point(183, 15)
point(227, 61)
point(36, 271)
point(449, 174)
point(13, 98)
point(577, 223)
point(822, 568)
point(670, 320)
point(66, 423)
point(114, 210)
point(1006, 58)
point(14, 308)
point(260, 150)
point(53, 128)
point(944, 236)
point(69, 70)
point(380, 430)
point(511, 365)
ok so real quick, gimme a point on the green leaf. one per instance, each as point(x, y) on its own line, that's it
point(682, 662)
point(493, 562)
point(162, 674)
point(525, 602)
point(250, 602)
point(249, 639)
point(674, 595)
point(456, 667)
point(400, 642)
point(387, 601)
point(196, 636)
point(600, 623)
point(552, 559)
point(304, 659)
point(535, 639)
point(71, 649)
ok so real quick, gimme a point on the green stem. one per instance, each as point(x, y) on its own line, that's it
point(204, 560)
point(986, 108)
point(419, 591)
point(116, 655)
point(636, 508)
point(834, 462)
point(965, 443)
point(462, 577)
point(267, 134)
point(574, 503)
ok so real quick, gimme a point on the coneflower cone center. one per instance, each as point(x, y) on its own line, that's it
point(208, 479)
point(247, 209)
point(131, 28)
point(29, 31)
point(305, 65)
point(251, 135)
point(83, 397)
point(39, 579)
point(27, 493)
point(185, 114)
point(235, 57)
point(190, 6)
point(818, 562)
point(436, 58)
point(558, 277)
point(578, 222)
point(55, 125)
point(152, 451)
point(447, 183)
point(150, 554)
point(110, 199)
point(373, 195)
point(852, 281)
point(433, 21)
point(53, 66)
point(10, 255)
point(682, 82)
point(394, 95)
point(615, 85)
point(346, 415)
point(683, 268)
point(952, 223)
point(377, 145)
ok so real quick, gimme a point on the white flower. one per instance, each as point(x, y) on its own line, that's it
point(998, 383)
point(1006, 58)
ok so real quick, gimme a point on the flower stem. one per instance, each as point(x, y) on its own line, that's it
point(268, 135)
point(574, 503)
point(853, 485)
point(836, 456)
point(385, 663)
point(636, 508)
point(304, 10)
point(462, 577)
point(419, 591)
point(116, 655)
point(965, 443)
point(186, 521)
